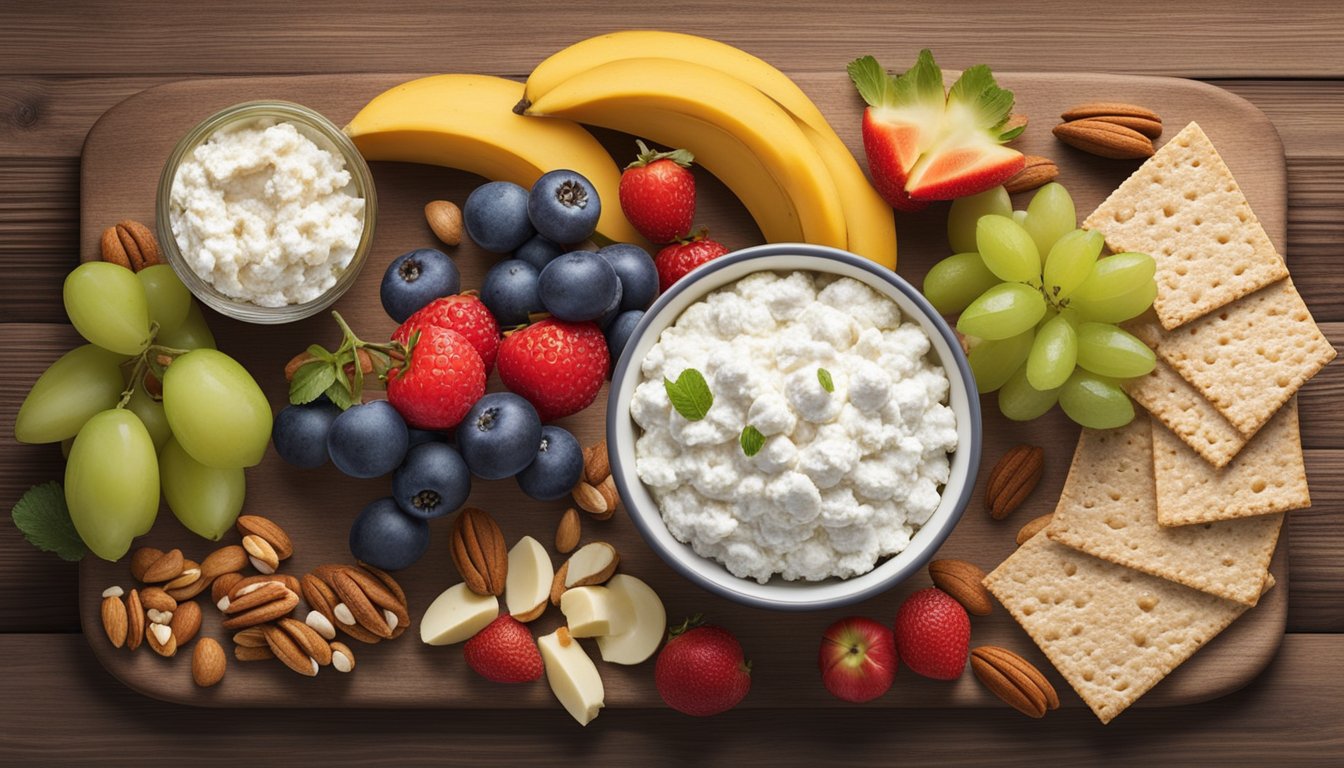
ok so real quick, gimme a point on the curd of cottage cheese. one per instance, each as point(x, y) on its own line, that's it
point(264, 214)
point(845, 477)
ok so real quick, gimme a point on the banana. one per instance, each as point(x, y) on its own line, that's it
point(648, 43)
point(732, 128)
point(869, 224)
point(467, 122)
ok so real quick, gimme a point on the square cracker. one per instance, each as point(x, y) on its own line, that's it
point(1183, 208)
point(1269, 476)
point(1112, 632)
point(1108, 509)
point(1178, 405)
point(1247, 358)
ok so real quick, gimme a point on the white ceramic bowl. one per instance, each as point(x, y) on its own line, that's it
point(778, 593)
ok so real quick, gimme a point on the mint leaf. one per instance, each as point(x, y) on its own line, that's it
point(310, 381)
point(752, 440)
point(340, 396)
point(689, 394)
point(44, 520)
point(321, 354)
point(978, 99)
point(824, 377)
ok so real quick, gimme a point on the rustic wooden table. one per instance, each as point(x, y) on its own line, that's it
point(62, 64)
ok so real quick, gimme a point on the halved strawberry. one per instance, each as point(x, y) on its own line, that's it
point(923, 144)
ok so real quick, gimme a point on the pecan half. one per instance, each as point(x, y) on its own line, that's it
point(1014, 680)
point(479, 552)
point(131, 245)
point(1013, 479)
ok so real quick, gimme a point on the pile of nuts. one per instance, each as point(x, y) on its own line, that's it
point(1110, 129)
point(596, 491)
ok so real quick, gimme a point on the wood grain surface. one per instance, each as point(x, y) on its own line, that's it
point(62, 64)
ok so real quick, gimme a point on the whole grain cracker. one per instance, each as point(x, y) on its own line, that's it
point(1248, 358)
point(1108, 509)
point(1112, 632)
point(1178, 405)
point(1184, 208)
point(1269, 476)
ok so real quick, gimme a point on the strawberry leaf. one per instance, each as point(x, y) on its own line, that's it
point(978, 100)
point(310, 381)
point(682, 157)
point(44, 520)
point(340, 396)
point(874, 84)
point(689, 394)
point(751, 440)
point(922, 83)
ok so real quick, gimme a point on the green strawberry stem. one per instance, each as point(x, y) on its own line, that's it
point(347, 389)
point(646, 156)
point(686, 626)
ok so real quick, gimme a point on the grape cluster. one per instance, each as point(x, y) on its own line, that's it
point(1039, 304)
point(147, 406)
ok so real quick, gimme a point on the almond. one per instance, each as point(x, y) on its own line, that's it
point(558, 583)
point(246, 653)
point(479, 552)
point(592, 564)
point(1150, 128)
point(445, 220)
point(223, 585)
point(261, 554)
point(308, 639)
point(191, 573)
point(115, 622)
point(319, 595)
point(962, 580)
point(387, 581)
point(186, 592)
point(611, 500)
point(589, 499)
point(166, 568)
point(154, 598)
point(135, 620)
point(1032, 528)
point(288, 651)
point(256, 525)
point(567, 533)
point(1013, 479)
point(252, 637)
point(186, 622)
point(141, 559)
point(596, 463)
point(1038, 172)
point(1105, 108)
point(268, 603)
point(228, 559)
point(342, 658)
point(1105, 139)
point(361, 606)
point(131, 245)
point(160, 639)
point(208, 663)
point(1014, 680)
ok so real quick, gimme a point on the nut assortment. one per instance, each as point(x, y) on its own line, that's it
point(1110, 129)
point(596, 492)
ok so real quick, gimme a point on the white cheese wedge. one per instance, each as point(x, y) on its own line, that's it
point(528, 584)
point(646, 630)
point(596, 611)
point(572, 675)
point(456, 615)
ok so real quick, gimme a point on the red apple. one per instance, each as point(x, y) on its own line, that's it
point(858, 659)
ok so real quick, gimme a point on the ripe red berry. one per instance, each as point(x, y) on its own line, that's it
point(464, 313)
point(701, 671)
point(933, 634)
point(658, 194)
point(674, 261)
point(440, 382)
point(504, 652)
point(555, 365)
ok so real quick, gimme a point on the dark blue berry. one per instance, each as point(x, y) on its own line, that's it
point(564, 207)
point(496, 216)
point(300, 433)
point(385, 537)
point(368, 440)
point(639, 277)
point(557, 467)
point(579, 286)
point(499, 436)
point(416, 278)
point(510, 292)
point(432, 482)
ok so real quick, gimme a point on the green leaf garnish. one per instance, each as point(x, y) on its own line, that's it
point(978, 100)
point(340, 396)
point(310, 381)
point(752, 440)
point(689, 394)
point(824, 377)
point(44, 520)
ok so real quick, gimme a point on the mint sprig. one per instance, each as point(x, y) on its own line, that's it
point(751, 440)
point(44, 520)
point(824, 378)
point(340, 374)
point(689, 394)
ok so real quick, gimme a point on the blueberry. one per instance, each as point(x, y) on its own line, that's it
point(499, 436)
point(557, 467)
point(538, 252)
point(422, 436)
point(416, 278)
point(496, 216)
point(510, 292)
point(385, 537)
point(618, 333)
point(432, 482)
point(579, 286)
point(639, 277)
point(300, 433)
point(368, 440)
point(564, 207)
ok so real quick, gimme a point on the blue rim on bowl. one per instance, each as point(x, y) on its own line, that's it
point(778, 594)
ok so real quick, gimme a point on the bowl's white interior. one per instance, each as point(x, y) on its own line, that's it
point(779, 593)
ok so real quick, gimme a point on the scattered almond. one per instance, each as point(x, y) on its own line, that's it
point(962, 580)
point(154, 598)
point(227, 559)
point(160, 639)
point(191, 573)
point(342, 658)
point(590, 499)
point(267, 603)
point(261, 554)
point(558, 583)
point(1105, 139)
point(445, 219)
point(611, 500)
point(186, 622)
point(252, 637)
point(256, 525)
point(247, 653)
point(131, 245)
point(135, 620)
point(1032, 528)
point(1108, 108)
point(115, 622)
point(321, 624)
point(288, 651)
point(307, 639)
point(1038, 172)
point(479, 552)
point(1013, 479)
point(165, 568)
point(208, 662)
point(223, 585)
point(592, 564)
point(596, 463)
point(567, 533)
point(1014, 680)
point(113, 592)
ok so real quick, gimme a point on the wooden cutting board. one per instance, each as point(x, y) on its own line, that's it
point(123, 156)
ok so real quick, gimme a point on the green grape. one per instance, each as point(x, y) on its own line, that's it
point(1114, 276)
point(80, 383)
point(193, 333)
point(216, 410)
point(1050, 216)
point(112, 482)
point(168, 299)
point(1020, 401)
point(992, 362)
point(1109, 351)
point(1094, 401)
point(1118, 309)
point(1053, 355)
point(1005, 310)
point(1007, 249)
point(966, 211)
point(1020, 217)
point(1070, 262)
point(106, 304)
point(954, 282)
point(205, 499)
point(150, 413)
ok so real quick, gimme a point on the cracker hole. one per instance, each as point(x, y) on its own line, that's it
point(1122, 685)
point(1282, 382)
point(1222, 239)
point(1181, 270)
point(1070, 569)
point(1191, 195)
point(1147, 603)
point(1140, 639)
point(1076, 630)
point(1258, 486)
point(1228, 562)
point(1193, 163)
point(1089, 675)
point(1115, 523)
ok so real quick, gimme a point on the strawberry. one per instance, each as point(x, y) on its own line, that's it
point(924, 144)
point(464, 313)
point(658, 193)
point(933, 634)
point(674, 261)
point(504, 652)
point(439, 381)
point(556, 366)
point(701, 671)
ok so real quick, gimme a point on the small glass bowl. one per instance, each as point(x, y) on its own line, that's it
point(320, 131)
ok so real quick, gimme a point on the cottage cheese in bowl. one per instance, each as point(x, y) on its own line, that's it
point(853, 411)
